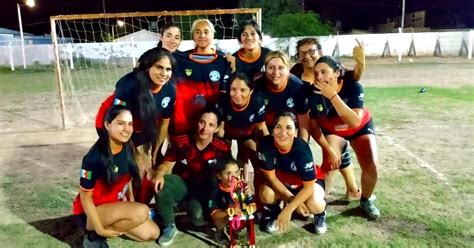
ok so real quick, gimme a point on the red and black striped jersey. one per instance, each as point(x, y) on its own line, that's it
point(199, 80)
point(192, 163)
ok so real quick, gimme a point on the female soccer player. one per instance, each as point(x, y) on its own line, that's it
point(290, 176)
point(149, 94)
point(250, 58)
point(191, 180)
point(170, 38)
point(201, 76)
point(309, 50)
point(105, 204)
point(337, 107)
point(278, 88)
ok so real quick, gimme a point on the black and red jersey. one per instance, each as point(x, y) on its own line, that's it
point(220, 198)
point(277, 102)
point(125, 94)
point(240, 123)
point(194, 164)
point(291, 168)
point(321, 109)
point(199, 80)
point(253, 69)
point(93, 178)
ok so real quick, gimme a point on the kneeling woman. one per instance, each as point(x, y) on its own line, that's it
point(107, 173)
point(287, 164)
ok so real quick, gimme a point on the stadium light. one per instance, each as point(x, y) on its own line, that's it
point(29, 3)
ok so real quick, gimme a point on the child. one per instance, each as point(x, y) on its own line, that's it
point(230, 198)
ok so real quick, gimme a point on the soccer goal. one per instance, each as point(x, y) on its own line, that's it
point(93, 51)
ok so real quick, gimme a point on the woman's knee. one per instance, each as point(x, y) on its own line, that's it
point(267, 195)
point(316, 203)
point(140, 213)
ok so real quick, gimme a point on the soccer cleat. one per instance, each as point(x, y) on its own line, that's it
point(350, 196)
point(369, 208)
point(168, 235)
point(320, 223)
point(93, 240)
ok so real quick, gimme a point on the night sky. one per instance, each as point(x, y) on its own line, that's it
point(358, 14)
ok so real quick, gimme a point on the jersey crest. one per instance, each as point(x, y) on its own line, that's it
point(214, 76)
point(165, 101)
point(290, 103)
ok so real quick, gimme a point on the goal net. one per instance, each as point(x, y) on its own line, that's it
point(93, 51)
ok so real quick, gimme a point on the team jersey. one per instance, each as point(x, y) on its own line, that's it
point(291, 168)
point(194, 164)
point(125, 95)
point(277, 102)
point(199, 80)
point(321, 109)
point(253, 69)
point(221, 198)
point(240, 123)
point(93, 177)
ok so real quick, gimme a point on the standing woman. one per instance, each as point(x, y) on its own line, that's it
point(309, 50)
point(278, 88)
point(250, 58)
point(338, 109)
point(149, 94)
point(170, 37)
point(290, 174)
point(201, 76)
point(105, 204)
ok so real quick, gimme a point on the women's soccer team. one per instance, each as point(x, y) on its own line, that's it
point(166, 133)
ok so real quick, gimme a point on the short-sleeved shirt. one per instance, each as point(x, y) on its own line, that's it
point(199, 80)
point(193, 164)
point(291, 168)
point(125, 94)
point(93, 177)
point(321, 109)
point(277, 102)
point(220, 198)
point(253, 69)
point(298, 70)
point(240, 123)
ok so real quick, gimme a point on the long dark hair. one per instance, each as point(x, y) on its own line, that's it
point(163, 30)
point(146, 106)
point(333, 63)
point(103, 146)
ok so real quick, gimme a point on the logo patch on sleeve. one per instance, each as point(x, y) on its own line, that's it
point(86, 174)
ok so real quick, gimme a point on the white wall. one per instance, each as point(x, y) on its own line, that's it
point(450, 43)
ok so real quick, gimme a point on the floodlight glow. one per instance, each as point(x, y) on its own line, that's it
point(120, 23)
point(30, 3)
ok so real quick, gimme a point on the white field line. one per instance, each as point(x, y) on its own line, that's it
point(422, 163)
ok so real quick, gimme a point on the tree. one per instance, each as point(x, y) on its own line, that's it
point(286, 18)
point(299, 24)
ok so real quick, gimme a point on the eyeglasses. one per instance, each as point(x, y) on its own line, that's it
point(311, 52)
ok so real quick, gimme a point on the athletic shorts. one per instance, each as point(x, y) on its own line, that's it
point(367, 129)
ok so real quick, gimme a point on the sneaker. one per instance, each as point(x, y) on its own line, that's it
point(92, 240)
point(369, 208)
point(222, 238)
point(350, 196)
point(271, 226)
point(320, 223)
point(168, 235)
point(195, 210)
point(269, 218)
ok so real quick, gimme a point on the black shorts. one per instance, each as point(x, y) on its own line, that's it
point(81, 220)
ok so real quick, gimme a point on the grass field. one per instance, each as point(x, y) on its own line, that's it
point(426, 179)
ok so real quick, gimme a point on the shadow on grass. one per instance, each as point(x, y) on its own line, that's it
point(64, 229)
point(356, 211)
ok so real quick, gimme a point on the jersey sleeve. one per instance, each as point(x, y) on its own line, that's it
point(89, 172)
point(260, 108)
point(301, 101)
point(169, 103)
point(356, 98)
point(124, 91)
point(106, 104)
point(304, 161)
point(264, 154)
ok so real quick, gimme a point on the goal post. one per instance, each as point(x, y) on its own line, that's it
point(92, 51)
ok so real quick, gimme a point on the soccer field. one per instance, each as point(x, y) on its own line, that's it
point(425, 189)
